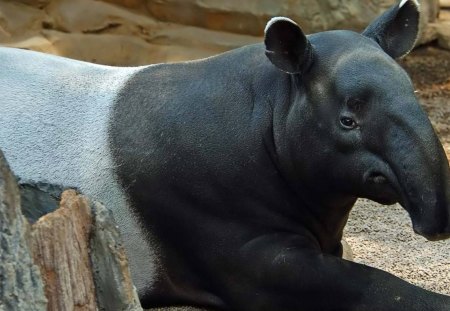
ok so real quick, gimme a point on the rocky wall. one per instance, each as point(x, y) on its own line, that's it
point(134, 32)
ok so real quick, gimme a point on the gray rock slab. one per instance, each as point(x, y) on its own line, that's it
point(21, 286)
point(114, 288)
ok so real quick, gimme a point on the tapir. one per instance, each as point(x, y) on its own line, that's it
point(231, 178)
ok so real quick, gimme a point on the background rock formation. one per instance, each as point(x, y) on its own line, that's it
point(134, 32)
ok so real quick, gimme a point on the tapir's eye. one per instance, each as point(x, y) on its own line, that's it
point(348, 123)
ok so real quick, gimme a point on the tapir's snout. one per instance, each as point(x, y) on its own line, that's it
point(434, 225)
point(423, 172)
point(429, 211)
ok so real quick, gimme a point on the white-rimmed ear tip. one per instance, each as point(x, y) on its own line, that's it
point(403, 2)
point(273, 20)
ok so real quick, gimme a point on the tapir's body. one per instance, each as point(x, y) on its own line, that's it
point(231, 178)
point(71, 143)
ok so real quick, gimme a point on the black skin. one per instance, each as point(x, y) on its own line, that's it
point(246, 174)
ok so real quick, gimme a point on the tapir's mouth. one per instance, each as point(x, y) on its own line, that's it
point(383, 187)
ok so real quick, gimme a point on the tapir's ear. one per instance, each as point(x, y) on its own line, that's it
point(287, 47)
point(397, 29)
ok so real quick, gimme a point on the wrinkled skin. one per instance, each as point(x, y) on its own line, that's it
point(241, 169)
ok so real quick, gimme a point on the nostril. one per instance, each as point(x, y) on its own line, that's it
point(377, 178)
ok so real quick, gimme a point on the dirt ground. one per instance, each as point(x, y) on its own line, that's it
point(382, 236)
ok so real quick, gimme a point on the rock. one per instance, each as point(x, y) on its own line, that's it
point(429, 14)
point(429, 34)
point(113, 49)
point(102, 33)
point(250, 17)
point(444, 37)
point(49, 265)
point(138, 5)
point(35, 43)
point(38, 199)
point(445, 3)
point(118, 35)
point(87, 16)
point(80, 254)
point(444, 18)
point(443, 33)
point(115, 290)
point(36, 3)
point(17, 20)
point(60, 247)
point(21, 287)
point(132, 32)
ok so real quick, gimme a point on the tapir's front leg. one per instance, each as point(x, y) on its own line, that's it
point(284, 272)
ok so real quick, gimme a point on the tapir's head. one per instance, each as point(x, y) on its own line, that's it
point(355, 124)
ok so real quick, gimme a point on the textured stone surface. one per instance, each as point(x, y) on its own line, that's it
point(60, 248)
point(443, 35)
point(49, 265)
point(445, 3)
point(100, 32)
point(442, 29)
point(21, 287)
point(17, 20)
point(38, 199)
point(250, 16)
point(115, 290)
point(132, 32)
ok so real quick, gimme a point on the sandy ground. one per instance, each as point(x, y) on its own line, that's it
point(381, 236)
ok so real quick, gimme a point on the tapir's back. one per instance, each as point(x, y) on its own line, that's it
point(54, 115)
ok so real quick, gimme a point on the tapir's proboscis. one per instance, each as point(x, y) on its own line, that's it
point(231, 178)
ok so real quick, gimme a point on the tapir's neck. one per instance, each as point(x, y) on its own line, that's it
point(326, 215)
point(323, 211)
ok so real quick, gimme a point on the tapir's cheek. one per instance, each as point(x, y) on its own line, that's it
point(348, 141)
